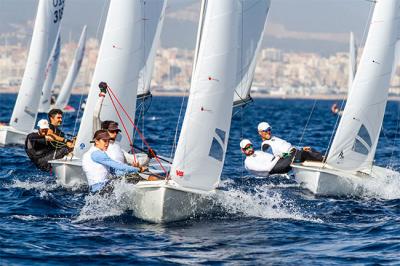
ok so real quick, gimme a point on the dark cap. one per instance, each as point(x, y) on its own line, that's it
point(101, 134)
point(110, 125)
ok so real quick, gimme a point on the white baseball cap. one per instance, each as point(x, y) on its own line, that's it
point(263, 126)
point(43, 124)
point(244, 143)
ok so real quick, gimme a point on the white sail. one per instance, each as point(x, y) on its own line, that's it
point(396, 58)
point(51, 72)
point(47, 24)
point(65, 92)
point(200, 153)
point(153, 17)
point(354, 145)
point(118, 64)
point(352, 60)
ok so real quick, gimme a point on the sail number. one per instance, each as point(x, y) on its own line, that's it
point(58, 13)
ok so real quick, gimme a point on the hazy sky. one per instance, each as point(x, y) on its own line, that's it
point(299, 25)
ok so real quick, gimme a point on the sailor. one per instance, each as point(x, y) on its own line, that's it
point(336, 110)
point(285, 150)
point(39, 149)
point(56, 118)
point(114, 150)
point(99, 167)
point(258, 162)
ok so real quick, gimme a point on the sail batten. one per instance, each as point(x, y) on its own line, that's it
point(218, 72)
point(356, 139)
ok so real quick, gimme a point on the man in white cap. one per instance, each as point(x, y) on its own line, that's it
point(284, 149)
point(257, 162)
point(39, 149)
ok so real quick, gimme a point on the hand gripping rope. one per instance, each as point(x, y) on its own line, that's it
point(114, 97)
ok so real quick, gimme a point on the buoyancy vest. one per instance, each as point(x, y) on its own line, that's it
point(95, 172)
point(115, 152)
point(278, 146)
point(260, 163)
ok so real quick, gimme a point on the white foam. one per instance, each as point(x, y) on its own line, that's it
point(98, 207)
point(25, 217)
point(30, 185)
point(262, 203)
point(387, 187)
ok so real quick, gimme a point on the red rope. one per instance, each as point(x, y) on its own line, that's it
point(123, 125)
point(132, 122)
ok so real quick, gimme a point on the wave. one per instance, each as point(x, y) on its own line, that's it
point(263, 202)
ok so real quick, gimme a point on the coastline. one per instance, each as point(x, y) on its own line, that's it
point(157, 93)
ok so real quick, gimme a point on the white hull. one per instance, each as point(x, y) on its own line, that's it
point(321, 179)
point(12, 136)
point(166, 201)
point(68, 172)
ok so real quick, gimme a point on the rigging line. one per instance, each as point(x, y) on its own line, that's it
point(123, 125)
point(174, 144)
point(133, 124)
point(308, 120)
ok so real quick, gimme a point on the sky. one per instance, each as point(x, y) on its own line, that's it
point(320, 26)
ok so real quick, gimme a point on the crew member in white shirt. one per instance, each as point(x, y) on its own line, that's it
point(257, 162)
point(98, 166)
point(284, 149)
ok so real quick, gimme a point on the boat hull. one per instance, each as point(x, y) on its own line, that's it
point(69, 172)
point(165, 201)
point(12, 136)
point(321, 179)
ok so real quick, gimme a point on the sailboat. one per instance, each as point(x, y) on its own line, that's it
point(51, 72)
point(217, 72)
point(350, 160)
point(120, 60)
point(66, 89)
point(47, 24)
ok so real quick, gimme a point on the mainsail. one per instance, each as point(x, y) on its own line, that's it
point(354, 144)
point(45, 31)
point(65, 92)
point(153, 17)
point(51, 72)
point(118, 64)
point(218, 71)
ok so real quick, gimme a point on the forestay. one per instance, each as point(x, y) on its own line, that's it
point(153, 17)
point(218, 71)
point(355, 142)
point(118, 64)
point(51, 72)
point(352, 60)
point(45, 31)
point(65, 92)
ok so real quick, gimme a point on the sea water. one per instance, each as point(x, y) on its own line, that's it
point(260, 220)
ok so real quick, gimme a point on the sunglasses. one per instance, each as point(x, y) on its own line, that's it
point(266, 131)
point(113, 131)
point(248, 147)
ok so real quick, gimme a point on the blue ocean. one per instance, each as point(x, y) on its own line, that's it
point(262, 221)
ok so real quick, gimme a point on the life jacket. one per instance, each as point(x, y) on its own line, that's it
point(95, 172)
point(279, 146)
point(114, 152)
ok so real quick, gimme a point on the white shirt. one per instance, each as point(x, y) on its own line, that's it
point(115, 152)
point(260, 163)
point(278, 146)
point(95, 172)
